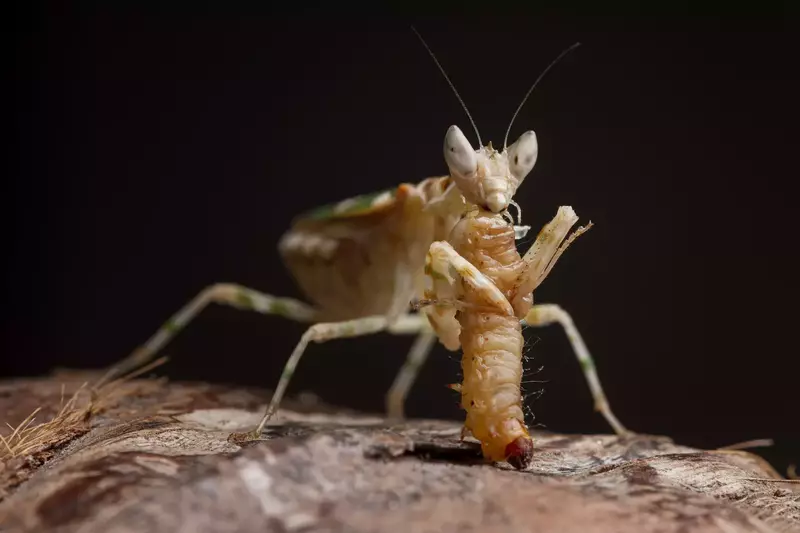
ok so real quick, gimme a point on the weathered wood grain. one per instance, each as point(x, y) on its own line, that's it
point(157, 457)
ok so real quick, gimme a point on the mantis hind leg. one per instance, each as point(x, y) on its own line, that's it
point(245, 298)
point(325, 331)
point(396, 397)
point(545, 314)
point(551, 242)
point(220, 293)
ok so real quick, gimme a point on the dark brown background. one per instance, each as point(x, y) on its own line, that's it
point(156, 153)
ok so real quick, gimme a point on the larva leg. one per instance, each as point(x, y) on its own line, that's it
point(545, 314)
point(221, 293)
point(405, 324)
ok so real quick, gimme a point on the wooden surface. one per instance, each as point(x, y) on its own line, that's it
point(155, 457)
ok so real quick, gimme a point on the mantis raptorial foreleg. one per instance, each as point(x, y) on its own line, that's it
point(450, 270)
point(546, 314)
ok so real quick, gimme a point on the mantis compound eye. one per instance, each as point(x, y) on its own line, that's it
point(458, 153)
point(522, 155)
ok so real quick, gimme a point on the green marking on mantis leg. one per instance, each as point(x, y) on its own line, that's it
point(587, 364)
point(438, 275)
point(171, 326)
point(279, 308)
point(244, 300)
point(429, 271)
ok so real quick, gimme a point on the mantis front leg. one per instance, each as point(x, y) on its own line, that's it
point(451, 276)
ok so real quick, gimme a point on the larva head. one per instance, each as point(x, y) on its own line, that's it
point(486, 177)
point(519, 452)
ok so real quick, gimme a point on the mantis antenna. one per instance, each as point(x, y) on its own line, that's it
point(551, 65)
point(446, 77)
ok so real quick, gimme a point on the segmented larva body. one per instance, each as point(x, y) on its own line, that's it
point(490, 391)
point(491, 338)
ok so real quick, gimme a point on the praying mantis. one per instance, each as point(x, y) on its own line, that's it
point(368, 261)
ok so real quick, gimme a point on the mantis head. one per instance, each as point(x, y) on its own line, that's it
point(486, 177)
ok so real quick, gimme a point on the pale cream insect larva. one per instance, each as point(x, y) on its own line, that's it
point(361, 262)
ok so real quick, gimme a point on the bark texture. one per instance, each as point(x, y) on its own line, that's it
point(157, 457)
